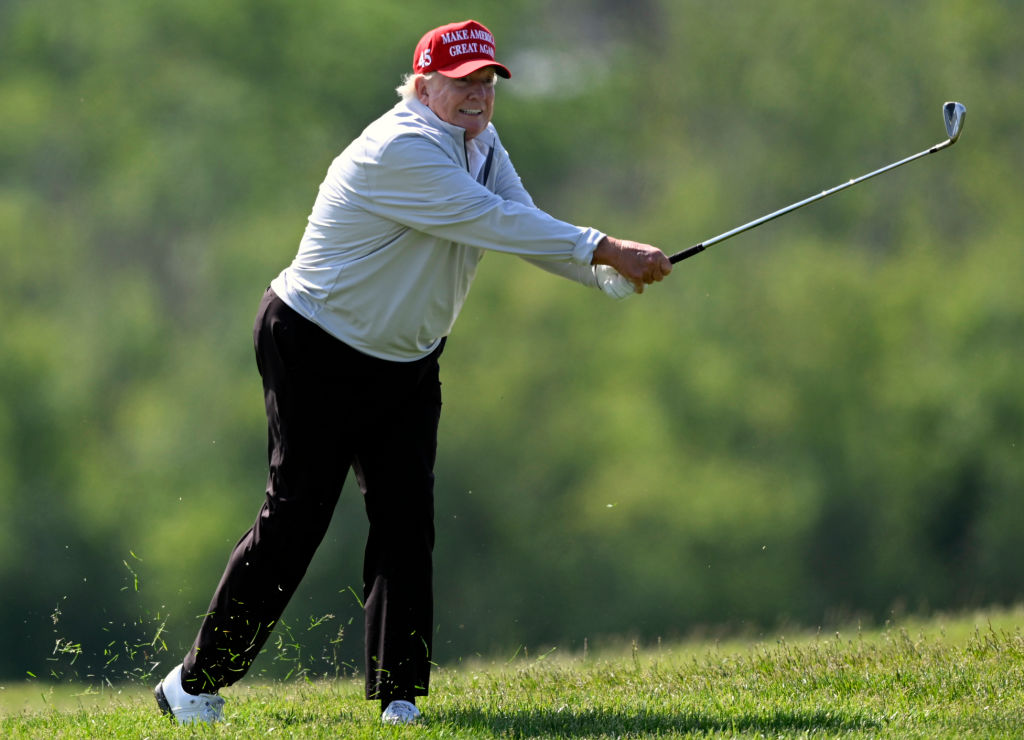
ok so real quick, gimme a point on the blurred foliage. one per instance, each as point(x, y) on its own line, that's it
point(821, 418)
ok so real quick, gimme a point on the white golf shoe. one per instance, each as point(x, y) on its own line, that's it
point(400, 712)
point(186, 707)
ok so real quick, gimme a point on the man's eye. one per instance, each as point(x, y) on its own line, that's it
point(466, 81)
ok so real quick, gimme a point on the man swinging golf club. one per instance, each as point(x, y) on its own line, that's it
point(347, 343)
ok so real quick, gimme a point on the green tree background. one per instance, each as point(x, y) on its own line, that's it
point(821, 419)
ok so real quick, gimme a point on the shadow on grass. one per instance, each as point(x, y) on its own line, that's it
point(566, 724)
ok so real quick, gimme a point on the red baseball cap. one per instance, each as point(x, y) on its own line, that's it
point(456, 50)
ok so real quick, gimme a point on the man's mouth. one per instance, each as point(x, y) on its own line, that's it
point(471, 111)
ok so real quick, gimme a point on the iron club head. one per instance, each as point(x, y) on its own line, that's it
point(953, 114)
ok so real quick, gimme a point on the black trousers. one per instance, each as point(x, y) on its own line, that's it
point(331, 408)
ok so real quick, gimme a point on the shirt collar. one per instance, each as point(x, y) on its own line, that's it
point(457, 132)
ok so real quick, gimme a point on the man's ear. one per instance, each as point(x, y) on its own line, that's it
point(422, 93)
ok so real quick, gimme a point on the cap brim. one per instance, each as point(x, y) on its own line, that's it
point(468, 68)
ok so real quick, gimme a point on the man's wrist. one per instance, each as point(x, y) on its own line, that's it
point(605, 251)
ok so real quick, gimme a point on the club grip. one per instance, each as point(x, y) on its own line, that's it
point(680, 256)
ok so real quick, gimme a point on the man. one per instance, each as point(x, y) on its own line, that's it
point(347, 343)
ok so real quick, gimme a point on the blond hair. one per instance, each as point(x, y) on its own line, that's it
point(407, 90)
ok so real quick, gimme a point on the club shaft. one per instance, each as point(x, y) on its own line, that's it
point(698, 248)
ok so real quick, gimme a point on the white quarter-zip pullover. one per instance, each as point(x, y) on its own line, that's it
point(400, 224)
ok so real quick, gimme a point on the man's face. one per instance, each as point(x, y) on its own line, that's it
point(467, 102)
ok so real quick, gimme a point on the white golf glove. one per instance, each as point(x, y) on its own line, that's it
point(612, 283)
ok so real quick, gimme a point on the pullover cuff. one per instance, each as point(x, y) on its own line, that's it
point(586, 244)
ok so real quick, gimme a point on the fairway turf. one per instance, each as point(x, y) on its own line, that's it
point(959, 678)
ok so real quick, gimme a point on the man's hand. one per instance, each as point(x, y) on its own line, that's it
point(641, 264)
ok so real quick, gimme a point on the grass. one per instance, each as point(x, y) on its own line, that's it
point(955, 677)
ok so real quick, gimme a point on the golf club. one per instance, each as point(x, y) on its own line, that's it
point(953, 115)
